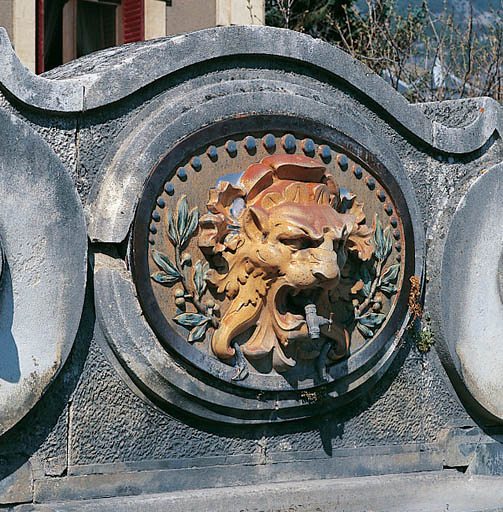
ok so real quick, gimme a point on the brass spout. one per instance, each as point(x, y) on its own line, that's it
point(314, 321)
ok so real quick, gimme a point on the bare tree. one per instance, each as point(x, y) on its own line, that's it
point(426, 56)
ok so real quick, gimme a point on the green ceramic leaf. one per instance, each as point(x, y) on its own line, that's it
point(389, 288)
point(190, 228)
point(163, 262)
point(390, 274)
point(364, 330)
point(379, 240)
point(163, 278)
point(191, 319)
point(200, 275)
point(172, 233)
point(198, 332)
point(366, 278)
point(372, 319)
point(183, 212)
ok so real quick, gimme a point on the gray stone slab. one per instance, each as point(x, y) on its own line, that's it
point(431, 492)
point(488, 459)
point(362, 454)
point(409, 405)
point(466, 450)
point(160, 126)
point(42, 286)
point(17, 487)
point(471, 298)
point(148, 482)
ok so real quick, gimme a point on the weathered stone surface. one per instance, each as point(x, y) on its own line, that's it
point(36, 91)
point(44, 273)
point(17, 486)
point(413, 390)
point(58, 131)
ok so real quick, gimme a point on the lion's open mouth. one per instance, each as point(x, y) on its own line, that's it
point(290, 305)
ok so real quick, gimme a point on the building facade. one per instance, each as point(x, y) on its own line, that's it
point(48, 33)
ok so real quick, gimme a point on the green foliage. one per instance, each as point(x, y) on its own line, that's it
point(382, 241)
point(170, 274)
point(181, 227)
point(181, 230)
point(422, 335)
point(201, 277)
point(196, 322)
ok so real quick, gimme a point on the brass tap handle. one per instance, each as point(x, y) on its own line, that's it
point(314, 321)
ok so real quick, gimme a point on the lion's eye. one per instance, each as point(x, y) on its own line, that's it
point(298, 243)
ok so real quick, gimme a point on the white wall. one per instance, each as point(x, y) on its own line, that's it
point(188, 15)
point(18, 17)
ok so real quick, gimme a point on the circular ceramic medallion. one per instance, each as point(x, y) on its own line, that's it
point(273, 260)
point(272, 234)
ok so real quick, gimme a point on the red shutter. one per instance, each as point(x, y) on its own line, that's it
point(40, 36)
point(133, 20)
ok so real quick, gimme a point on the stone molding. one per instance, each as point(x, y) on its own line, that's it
point(85, 84)
point(428, 490)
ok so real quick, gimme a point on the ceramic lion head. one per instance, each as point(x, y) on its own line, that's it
point(278, 239)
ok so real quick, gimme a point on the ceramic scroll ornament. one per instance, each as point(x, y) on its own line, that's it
point(289, 266)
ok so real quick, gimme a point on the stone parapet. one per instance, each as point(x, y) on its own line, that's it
point(235, 259)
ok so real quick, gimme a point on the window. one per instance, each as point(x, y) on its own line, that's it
point(97, 26)
point(67, 29)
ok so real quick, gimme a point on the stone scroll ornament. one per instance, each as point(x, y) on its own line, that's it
point(43, 267)
point(289, 266)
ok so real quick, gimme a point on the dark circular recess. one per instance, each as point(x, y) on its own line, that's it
point(365, 364)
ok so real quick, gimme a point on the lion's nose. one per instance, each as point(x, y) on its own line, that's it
point(323, 256)
point(328, 273)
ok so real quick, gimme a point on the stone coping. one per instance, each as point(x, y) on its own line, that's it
point(110, 75)
point(417, 492)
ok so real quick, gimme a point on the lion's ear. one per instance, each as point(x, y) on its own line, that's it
point(255, 223)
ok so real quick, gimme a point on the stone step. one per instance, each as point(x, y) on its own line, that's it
point(445, 491)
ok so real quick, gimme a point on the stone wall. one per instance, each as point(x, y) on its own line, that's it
point(116, 413)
